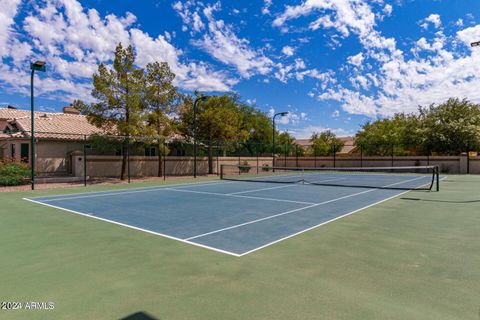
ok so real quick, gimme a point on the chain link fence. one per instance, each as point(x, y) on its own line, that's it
point(79, 159)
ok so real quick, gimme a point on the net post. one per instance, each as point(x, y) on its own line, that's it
point(437, 177)
point(85, 160)
point(221, 172)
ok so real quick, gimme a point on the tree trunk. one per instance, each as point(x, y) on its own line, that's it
point(210, 158)
point(123, 175)
point(160, 159)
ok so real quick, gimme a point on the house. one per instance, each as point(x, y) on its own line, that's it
point(57, 136)
point(348, 148)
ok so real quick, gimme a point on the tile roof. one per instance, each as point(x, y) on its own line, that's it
point(349, 144)
point(50, 125)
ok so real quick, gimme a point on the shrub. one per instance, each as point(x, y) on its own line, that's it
point(13, 174)
point(245, 167)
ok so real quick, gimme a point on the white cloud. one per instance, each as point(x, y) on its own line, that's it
point(306, 132)
point(299, 71)
point(74, 40)
point(190, 18)
point(356, 60)
point(344, 16)
point(469, 35)
point(401, 84)
point(266, 7)
point(388, 9)
point(7, 15)
point(292, 118)
point(288, 51)
point(433, 19)
point(197, 22)
point(385, 80)
point(223, 44)
point(191, 76)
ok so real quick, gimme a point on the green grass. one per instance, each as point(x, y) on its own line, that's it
point(401, 259)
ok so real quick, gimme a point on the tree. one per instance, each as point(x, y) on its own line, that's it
point(161, 100)
point(257, 127)
point(325, 143)
point(452, 127)
point(284, 143)
point(218, 120)
point(119, 95)
point(449, 128)
point(383, 137)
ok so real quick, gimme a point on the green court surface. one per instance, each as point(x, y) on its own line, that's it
point(416, 256)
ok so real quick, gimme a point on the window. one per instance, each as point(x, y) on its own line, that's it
point(12, 151)
point(24, 147)
point(150, 152)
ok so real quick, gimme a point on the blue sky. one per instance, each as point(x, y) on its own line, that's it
point(333, 64)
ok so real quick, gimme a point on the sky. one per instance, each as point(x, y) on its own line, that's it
point(332, 64)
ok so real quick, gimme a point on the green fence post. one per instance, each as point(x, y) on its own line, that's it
point(85, 161)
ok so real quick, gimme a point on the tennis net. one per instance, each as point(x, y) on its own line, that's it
point(401, 178)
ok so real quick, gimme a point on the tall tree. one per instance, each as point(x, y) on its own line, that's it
point(257, 127)
point(119, 95)
point(325, 143)
point(398, 135)
point(452, 127)
point(218, 120)
point(161, 100)
point(284, 143)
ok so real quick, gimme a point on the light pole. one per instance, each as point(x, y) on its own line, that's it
point(282, 114)
point(201, 98)
point(36, 66)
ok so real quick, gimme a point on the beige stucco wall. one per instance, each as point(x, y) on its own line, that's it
point(447, 164)
point(53, 156)
point(6, 146)
point(110, 166)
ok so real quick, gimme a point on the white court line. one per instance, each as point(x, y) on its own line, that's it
point(296, 210)
point(205, 246)
point(334, 219)
point(287, 186)
point(135, 228)
point(238, 196)
point(94, 194)
point(126, 191)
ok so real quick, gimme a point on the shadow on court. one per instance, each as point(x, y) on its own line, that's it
point(139, 316)
point(437, 200)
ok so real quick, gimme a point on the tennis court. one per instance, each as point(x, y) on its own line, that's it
point(240, 215)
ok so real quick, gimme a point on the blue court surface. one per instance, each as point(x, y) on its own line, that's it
point(232, 217)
